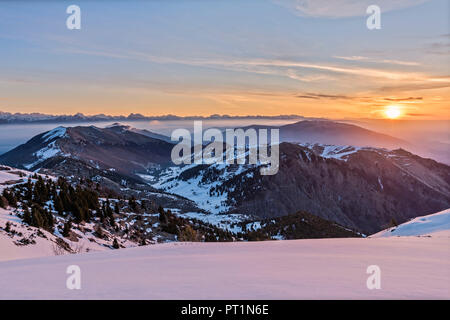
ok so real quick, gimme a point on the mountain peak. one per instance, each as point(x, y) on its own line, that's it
point(119, 125)
point(118, 146)
point(58, 132)
point(337, 133)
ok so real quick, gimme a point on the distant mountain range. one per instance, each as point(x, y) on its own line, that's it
point(7, 117)
point(436, 148)
point(355, 184)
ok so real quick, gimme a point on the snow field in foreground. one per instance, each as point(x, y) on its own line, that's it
point(411, 267)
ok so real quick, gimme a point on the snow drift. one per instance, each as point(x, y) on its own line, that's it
point(437, 224)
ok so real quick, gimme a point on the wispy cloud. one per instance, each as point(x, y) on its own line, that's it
point(317, 96)
point(438, 48)
point(248, 63)
point(403, 99)
point(342, 8)
point(387, 61)
point(432, 83)
point(373, 80)
point(413, 114)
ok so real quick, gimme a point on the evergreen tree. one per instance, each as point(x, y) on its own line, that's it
point(8, 226)
point(36, 218)
point(188, 234)
point(116, 244)
point(26, 216)
point(10, 198)
point(59, 206)
point(162, 215)
point(3, 202)
point(112, 221)
point(49, 221)
point(66, 229)
point(133, 204)
point(393, 223)
point(29, 191)
point(78, 213)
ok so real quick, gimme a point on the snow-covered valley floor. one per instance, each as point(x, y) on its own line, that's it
point(411, 267)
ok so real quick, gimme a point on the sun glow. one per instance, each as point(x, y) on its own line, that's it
point(392, 112)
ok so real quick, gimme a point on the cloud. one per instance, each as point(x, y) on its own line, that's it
point(308, 78)
point(414, 87)
point(380, 79)
point(403, 99)
point(248, 63)
point(317, 96)
point(17, 81)
point(350, 70)
point(418, 114)
point(439, 48)
point(343, 8)
point(259, 65)
point(351, 58)
point(388, 61)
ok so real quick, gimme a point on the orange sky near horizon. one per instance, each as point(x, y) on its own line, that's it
point(434, 106)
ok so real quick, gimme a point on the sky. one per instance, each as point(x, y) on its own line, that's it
point(314, 58)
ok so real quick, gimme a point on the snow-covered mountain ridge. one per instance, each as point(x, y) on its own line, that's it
point(433, 225)
point(318, 178)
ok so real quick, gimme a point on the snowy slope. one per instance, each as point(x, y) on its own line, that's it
point(24, 241)
point(12, 176)
point(198, 189)
point(333, 151)
point(16, 245)
point(411, 267)
point(10, 251)
point(437, 224)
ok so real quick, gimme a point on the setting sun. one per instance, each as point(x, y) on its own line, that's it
point(392, 112)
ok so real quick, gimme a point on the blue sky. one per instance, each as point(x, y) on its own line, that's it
point(229, 57)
